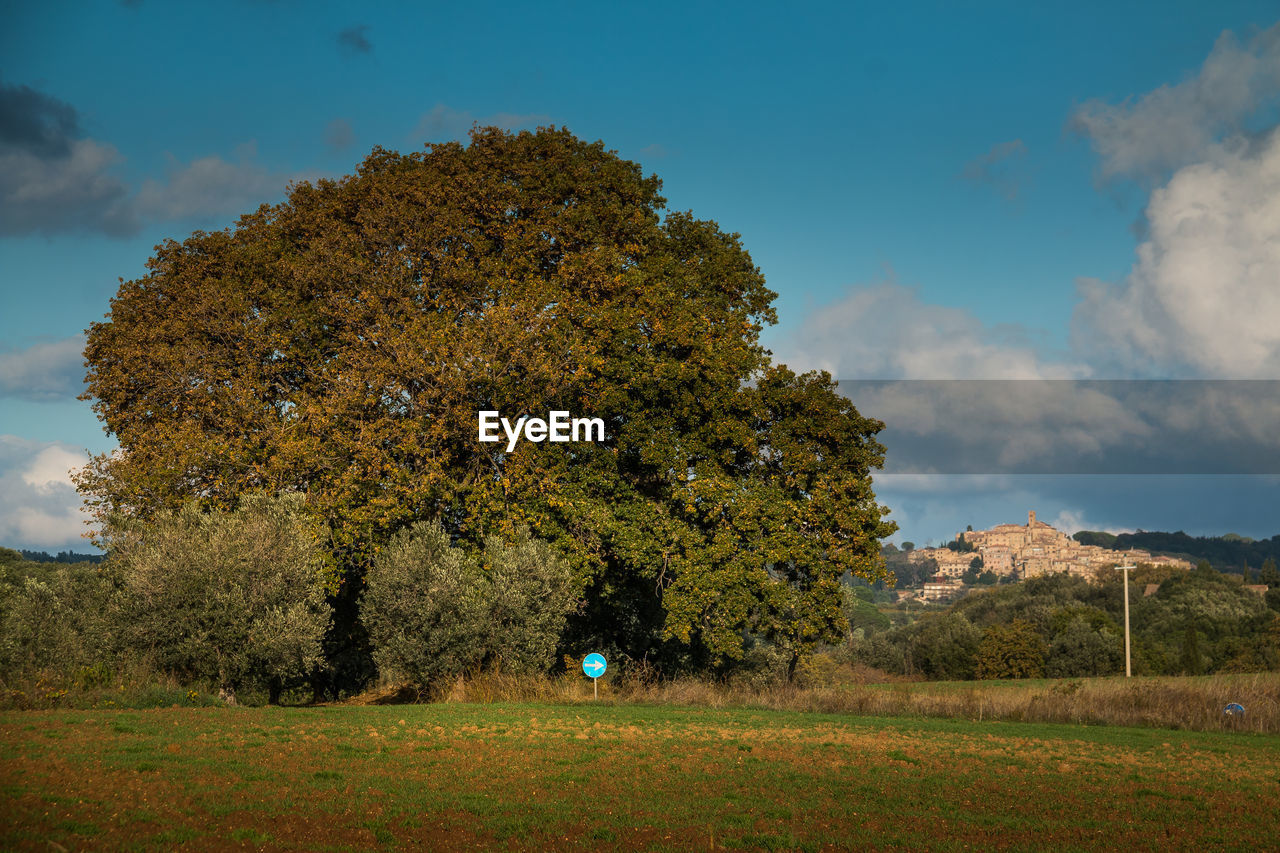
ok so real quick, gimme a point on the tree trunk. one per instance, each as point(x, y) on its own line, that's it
point(791, 667)
point(226, 690)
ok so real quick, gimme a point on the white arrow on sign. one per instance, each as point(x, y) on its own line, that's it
point(594, 665)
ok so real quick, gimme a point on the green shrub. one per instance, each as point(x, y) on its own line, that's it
point(424, 607)
point(434, 611)
point(57, 625)
point(879, 652)
point(237, 598)
point(530, 596)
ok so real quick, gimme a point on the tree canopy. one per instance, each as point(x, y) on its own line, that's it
point(341, 344)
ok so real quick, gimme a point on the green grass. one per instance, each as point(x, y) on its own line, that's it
point(620, 777)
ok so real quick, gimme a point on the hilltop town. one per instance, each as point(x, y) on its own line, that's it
point(1018, 552)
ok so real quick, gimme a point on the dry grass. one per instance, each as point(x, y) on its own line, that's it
point(1163, 702)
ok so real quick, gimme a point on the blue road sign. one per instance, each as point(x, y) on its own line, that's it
point(594, 665)
point(1233, 710)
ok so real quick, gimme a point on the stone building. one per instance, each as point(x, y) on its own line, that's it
point(1031, 550)
point(942, 590)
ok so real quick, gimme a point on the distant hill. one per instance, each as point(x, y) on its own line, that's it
point(1228, 552)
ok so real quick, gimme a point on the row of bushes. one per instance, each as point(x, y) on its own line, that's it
point(241, 601)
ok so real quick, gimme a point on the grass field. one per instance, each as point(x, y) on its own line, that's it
point(538, 776)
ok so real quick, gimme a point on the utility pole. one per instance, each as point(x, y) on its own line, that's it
point(1128, 669)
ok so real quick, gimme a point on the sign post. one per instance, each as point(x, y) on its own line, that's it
point(594, 665)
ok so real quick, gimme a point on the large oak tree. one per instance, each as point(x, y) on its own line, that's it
point(341, 344)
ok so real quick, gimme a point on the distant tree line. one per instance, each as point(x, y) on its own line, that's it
point(66, 557)
point(906, 572)
point(1230, 553)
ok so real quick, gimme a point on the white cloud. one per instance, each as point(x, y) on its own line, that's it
point(1071, 521)
point(885, 331)
point(1203, 298)
point(56, 528)
point(72, 193)
point(945, 484)
point(930, 509)
point(1173, 126)
point(1001, 427)
point(52, 467)
point(211, 186)
point(444, 122)
point(39, 508)
point(54, 180)
point(44, 371)
point(78, 193)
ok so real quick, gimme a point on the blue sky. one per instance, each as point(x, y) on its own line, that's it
point(935, 190)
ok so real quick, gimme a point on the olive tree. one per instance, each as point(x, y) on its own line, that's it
point(238, 597)
point(424, 606)
point(433, 610)
point(56, 623)
point(531, 594)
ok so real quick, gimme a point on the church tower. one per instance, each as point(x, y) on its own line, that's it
point(1031, 518)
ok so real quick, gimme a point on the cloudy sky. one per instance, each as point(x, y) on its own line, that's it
point(937, 192)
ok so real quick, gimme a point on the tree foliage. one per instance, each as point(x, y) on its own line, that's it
point(1268, 574)
point(341, 344)
point(234, 597)
point(945, 648)
point(434, 611)
point(904, 572)
point(1015, 650)
point(864, 617)
point(1191, 659)
point(1198, 621)
point(56, 622)
point(1082, 647)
